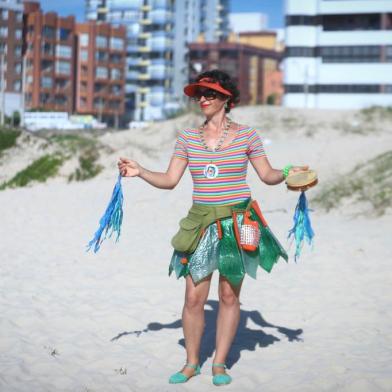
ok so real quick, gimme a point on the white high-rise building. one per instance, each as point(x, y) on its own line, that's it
point(158, 32)
point(338, 53)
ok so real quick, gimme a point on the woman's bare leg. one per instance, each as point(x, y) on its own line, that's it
point(227, 322)
point(193, 319)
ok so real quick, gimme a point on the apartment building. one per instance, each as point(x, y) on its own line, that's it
point(100, 71)
point(11, 46)
point(338, 53)
point(50, 59)
point(158, 32)
point(254, 69)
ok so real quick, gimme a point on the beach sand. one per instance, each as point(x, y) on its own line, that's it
point(111, 321)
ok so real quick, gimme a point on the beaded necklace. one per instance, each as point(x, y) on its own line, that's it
point(211, 170)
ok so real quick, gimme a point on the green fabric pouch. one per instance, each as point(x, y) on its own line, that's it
point(188, 236)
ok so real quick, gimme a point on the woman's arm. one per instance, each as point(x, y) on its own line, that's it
point(167, 180)
point(268, 174)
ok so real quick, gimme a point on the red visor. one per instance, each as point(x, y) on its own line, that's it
point(190, 89)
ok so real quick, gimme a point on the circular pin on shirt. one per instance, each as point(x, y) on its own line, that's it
point(211, 171)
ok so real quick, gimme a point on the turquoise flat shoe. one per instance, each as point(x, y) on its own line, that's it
point(179, 378)
point(221, 379)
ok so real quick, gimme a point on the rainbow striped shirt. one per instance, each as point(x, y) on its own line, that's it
point(230, 186)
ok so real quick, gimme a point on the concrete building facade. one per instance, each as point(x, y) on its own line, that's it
point(338, 53)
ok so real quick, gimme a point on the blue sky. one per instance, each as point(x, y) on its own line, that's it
point(273, 8)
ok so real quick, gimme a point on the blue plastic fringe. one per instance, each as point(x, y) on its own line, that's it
point(111, 220)
point(302, 227)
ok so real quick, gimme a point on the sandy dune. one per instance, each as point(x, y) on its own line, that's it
point(76, 321)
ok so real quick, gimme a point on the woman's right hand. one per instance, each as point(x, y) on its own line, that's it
point(128, 167)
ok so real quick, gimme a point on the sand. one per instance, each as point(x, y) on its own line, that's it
point(77, 321)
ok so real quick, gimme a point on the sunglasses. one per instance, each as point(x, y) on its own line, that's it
point(208, 94)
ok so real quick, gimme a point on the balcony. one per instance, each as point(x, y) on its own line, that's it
point(145, 21)
point(144, 76)
point(145, 8)
point(161, 16)
point(161, 44)
point(143, 63)
point(144, 35)
point(144, 49)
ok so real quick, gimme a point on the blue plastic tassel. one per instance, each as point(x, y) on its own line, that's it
point(302, 227)
point(111, 220)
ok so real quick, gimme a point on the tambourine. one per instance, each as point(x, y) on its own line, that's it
point(301, 181)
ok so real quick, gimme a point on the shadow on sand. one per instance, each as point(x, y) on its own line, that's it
point(246, 338)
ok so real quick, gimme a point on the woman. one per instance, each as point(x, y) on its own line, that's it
point(210, 236)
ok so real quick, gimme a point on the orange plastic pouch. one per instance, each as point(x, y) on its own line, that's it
point(249, 234)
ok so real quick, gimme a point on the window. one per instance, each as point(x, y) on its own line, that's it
point(101, 41)
point(47, 48)
point(46, 82)
point(60, 100)
point(83, 55)
point(351, 22)
point(116, 43)
point(101, 72)
point(17, 85)
point(4, 14)
point(335, 88)
point(3, 31)
point(115, 58)
point(115, 74)
point(18, 34)
point(44, 98)
point(18, 68)
point(388, 54)
point(302, 20)
point(63, 34)
point(3, 47)
point(61, 84)
point(83, 102)
point(99, 103)
point(19, 16)
point(101, 56)
point(114, 104)
point(64, 51)
point(48, 32)
point(300, 51)
point(115, 89)
point(84, 39)
point(63, 67)
point(350, 54)
point(18, 50)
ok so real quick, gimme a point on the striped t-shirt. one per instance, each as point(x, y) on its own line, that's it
point(230, 186)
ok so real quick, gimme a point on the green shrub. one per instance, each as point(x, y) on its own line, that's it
point(88, 167)
point(8, 138)
point(40, 170)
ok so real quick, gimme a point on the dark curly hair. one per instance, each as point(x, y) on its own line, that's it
point(226, 82)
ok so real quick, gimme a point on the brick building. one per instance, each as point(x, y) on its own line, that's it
point(11, 42)
point(74, 67)
point(250, 66)
point(50, 56)
point(100, 70)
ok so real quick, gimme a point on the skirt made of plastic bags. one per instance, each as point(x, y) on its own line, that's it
point(222, 253)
